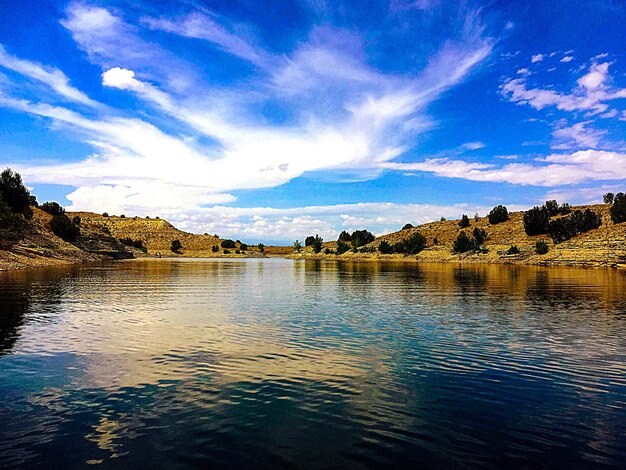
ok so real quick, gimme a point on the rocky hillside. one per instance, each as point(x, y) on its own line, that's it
point(41, 247)
point(604, 246)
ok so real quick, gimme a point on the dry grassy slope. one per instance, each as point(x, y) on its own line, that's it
point(40, 247)
point(603, 246)
point(157, 234)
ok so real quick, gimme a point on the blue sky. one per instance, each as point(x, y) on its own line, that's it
point(268, 121)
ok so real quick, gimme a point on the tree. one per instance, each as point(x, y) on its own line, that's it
point(76, 220)
point(407, 226)
point(215, 248)
point(13, 192)
point(308, 241)
point(361, 237)
point(243, 247)
point(11, 226)
point(176, 246)
point(479, 235)
point(578, 222)
point(105, 214)
point(228, 243)
point(608, 198)
point(552, 207)
point(618, 209)
point(52, 208)
point(476, 216)
point(513, 250)
point(385, 248)
point(463, 243)
point(64, 228)
point(464, 222)
point(541, 247)
point(317, 243)
point(565, 208)
point(261, 247)
point(498, 214)
point(297, 245)
point(536, 220)
point(342, 247)
point(414, 244)
point(343, 237)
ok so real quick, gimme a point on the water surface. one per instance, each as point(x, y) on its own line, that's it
point(292, 364)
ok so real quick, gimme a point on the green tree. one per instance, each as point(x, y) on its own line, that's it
point(228, 243)
point(52, 208)
point(343, 237)
point(261, 247)
point(608, 198)
point(552, 207)
point(465, 221)
point(463, 243)
point(215, 248)
point(361, 237)
point(541, 247)
point(176, 246)
point(64, 228)
point(479, 235)
point(618, 209)
point(385, 248)
point(14, 193)
point(498, 214)
point(317, 243)
point(342, 247)
point(308, 241)
point(297, 246)
point(243, 246)
point(407, 226)
point(536, 220)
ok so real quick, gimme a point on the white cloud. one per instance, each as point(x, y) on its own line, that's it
point(473, 145)
point(536, 58)
point(577, 136)
point(567, 58)
point(50, 76)
point(123, 79)
point(554, 170)
point(592, 93)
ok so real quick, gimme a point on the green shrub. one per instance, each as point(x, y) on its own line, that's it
point(479, 235)
point(342, 247)
point(52, 208)
point(176, 246)
point(513, 250)
point(105, 214)
point(361, 237)
point(463, 243)
point(536, 220)
point(243, 246)
point(12, 226)
point(552, 207)
point(541, 247)
point(308, 241)
point(498, 214)
point(407, 226)
point(134, 243)
point(327, 251)
point(414, 244)
point(215, 248)
point(577, 222)
point(565, 209)
point(297, 245)
point(317, 243)
point(228, 243)
point(261, 247)
point(618, 209)
point(76, 220)
point(385, 248)
point(64, 228)
point(226, 252)
point(14, 193)
point(237, 252)
point(608, 198)
point(464, 222)
point(343, 237)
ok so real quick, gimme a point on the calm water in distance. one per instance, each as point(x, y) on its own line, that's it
point(291, 364)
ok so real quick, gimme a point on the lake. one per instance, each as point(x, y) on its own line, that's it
point(292, 364)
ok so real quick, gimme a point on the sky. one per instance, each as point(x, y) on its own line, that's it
point(270, 121)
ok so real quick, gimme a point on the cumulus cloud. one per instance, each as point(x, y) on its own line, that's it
point(567, 58)
point(536, 58)
point(592, 94)
point(577, 136)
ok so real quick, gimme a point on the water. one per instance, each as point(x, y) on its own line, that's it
point(283, 364)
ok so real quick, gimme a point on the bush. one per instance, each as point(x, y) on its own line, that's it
point(463, 243)
point(52, 208)
point(414, 244)
point(361, 237)
point(13, 192)
point(105, 214)
point(297, 245)
point(385, 248)
point(134, 243)
point(342, 247)
point(564, 228)
point(308, 241)
point(479, 235)
point(608, 198)
point(317, 243)
point(536, 220)
point(215, 248)
point(243, 246)
point(565, 209)
point(407, 226)
point(552, 207)
point(226, 252)
point(64, 228)
point(343, 237)
point(228, 243)
point(541, 247)
point(442, 219)
point(464, 222)
point(11, 226)
point(122, 216)
point(618, 209)
point(76, 220)
point(498, 214)
point(513, 250)
point(261, 247)
point(327, 251)
point(476, 216)
point(237, 252)
point(176, 246)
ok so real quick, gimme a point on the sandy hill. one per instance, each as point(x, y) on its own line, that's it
point(41, 247)
point(605, 246)
point(157, 235)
